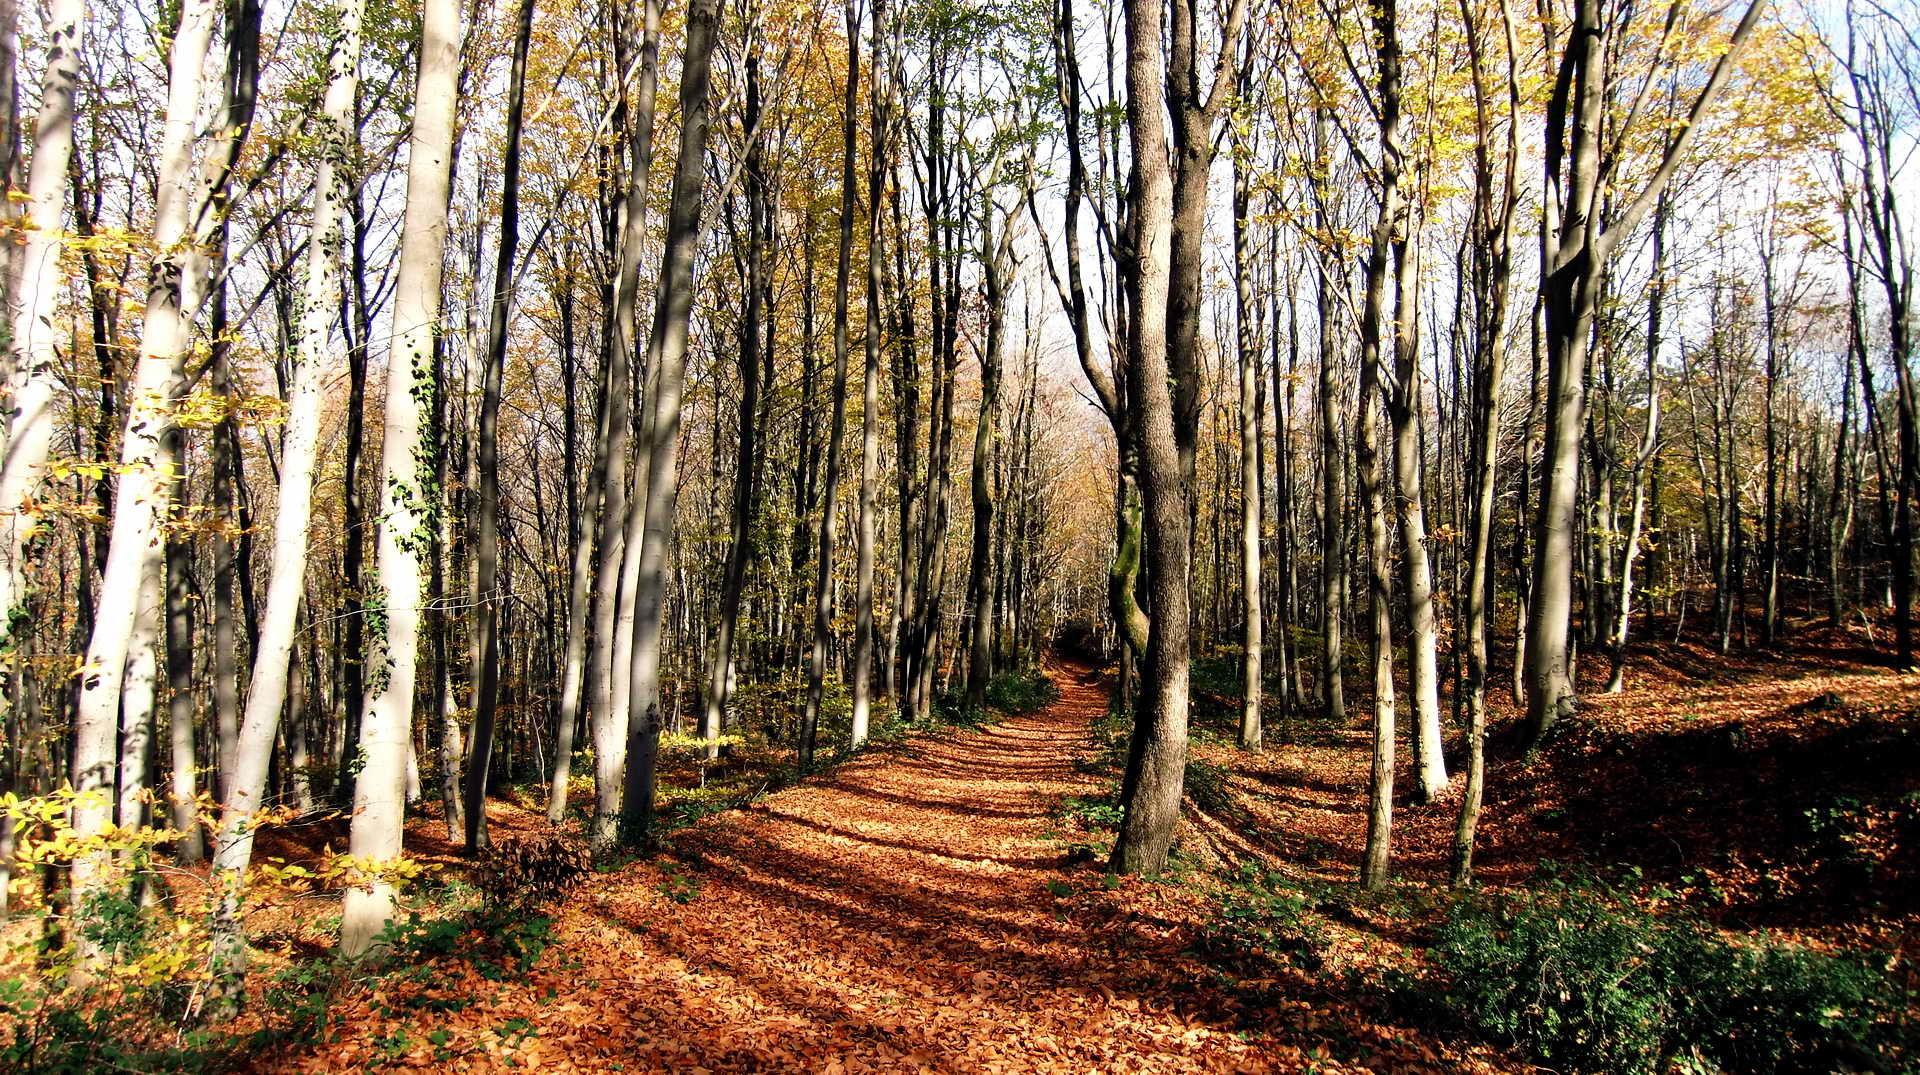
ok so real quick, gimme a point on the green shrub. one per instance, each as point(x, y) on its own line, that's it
point(1207, 784)
point(1261, 915)
point(1014, 692)
point(1218, 674)
point(1021, 691)
point(1110, 734)
point(1586, 980)
point(497, 941)
point(1095, 811)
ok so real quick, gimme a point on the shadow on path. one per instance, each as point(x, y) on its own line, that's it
point(907, 912)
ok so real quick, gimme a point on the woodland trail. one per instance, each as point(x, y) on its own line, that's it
point(901, 912)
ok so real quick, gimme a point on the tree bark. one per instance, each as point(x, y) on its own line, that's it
point(1157, 752)
point(1253, 682)
point(610, 712)
point(1333, 458)
point(1580, 240)
point(864, 640)
point(487, 599)
point(126, 623)
point(407, 509)
point(267, 688)
point(1491, 233)
point(666, 358)
point(996, 255)
point(747, 455)
point(33, 385)
point(1644, 458)
point(836, 431)
point(1402, 399)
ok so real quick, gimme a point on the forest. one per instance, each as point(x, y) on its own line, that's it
point(959, 535)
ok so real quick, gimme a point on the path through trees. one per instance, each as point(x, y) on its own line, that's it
point(909, 907)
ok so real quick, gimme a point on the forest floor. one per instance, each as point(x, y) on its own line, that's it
point(909, 910)
point(1774, 790)
point(939, 904)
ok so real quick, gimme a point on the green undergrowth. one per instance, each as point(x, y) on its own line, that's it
point(1262, 915)
point(1013, 692)
point(1575, 972)
point(1586, 976)
point(129, 1020)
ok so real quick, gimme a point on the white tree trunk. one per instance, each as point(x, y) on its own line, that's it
point(33, 385)
point(1253, 679)
point(127, 613)
point(406, 510)
point(267, 689)
point(1403, 407)
point(139, 695)
point(608, 671)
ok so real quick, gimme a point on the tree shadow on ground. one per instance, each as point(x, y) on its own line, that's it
point(1813, 815)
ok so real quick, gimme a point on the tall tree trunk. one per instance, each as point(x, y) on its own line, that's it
point(33, 386)
point(227, 463)
point(1157, 751)
point(610, 714)
point(233, 555)
point(1253, 682)
point(906, 381)
point(267, 688)
point(996, 257)
point(487, 598)
point(1373, 340)
point(1333, 459)
point(446, 549)
point(1403, 410)
point(1644, 457)
point(580, 599)
point(864, 631)
point(747, 454)
point(183, 787)
point(127, 619)
point(836, 433)
point(1491, 232)
point(407, 509)
point(1195, 104)
point(1581, 237)
point(666, 359)
point(208, 260)
point(353, 667)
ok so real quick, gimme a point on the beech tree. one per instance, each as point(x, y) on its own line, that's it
point(408, 503)
point(1115, 405)
point(119, 681)
point(1584, 227)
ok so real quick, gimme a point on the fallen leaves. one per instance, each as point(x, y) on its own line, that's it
point(916, 911)
point(892, 915)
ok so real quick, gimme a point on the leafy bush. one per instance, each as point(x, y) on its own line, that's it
point(150, 970)
point(951, 710)
point(1586, 980)
point(1014, 692)
point(681, 807)
point(1095, 811)
point(1207, 785)
point(1261, 915)
point(1218, 674)
point(496, 941)
point(1021, 690)
point(1110, 734)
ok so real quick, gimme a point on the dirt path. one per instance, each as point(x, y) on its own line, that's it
point(894, 914)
